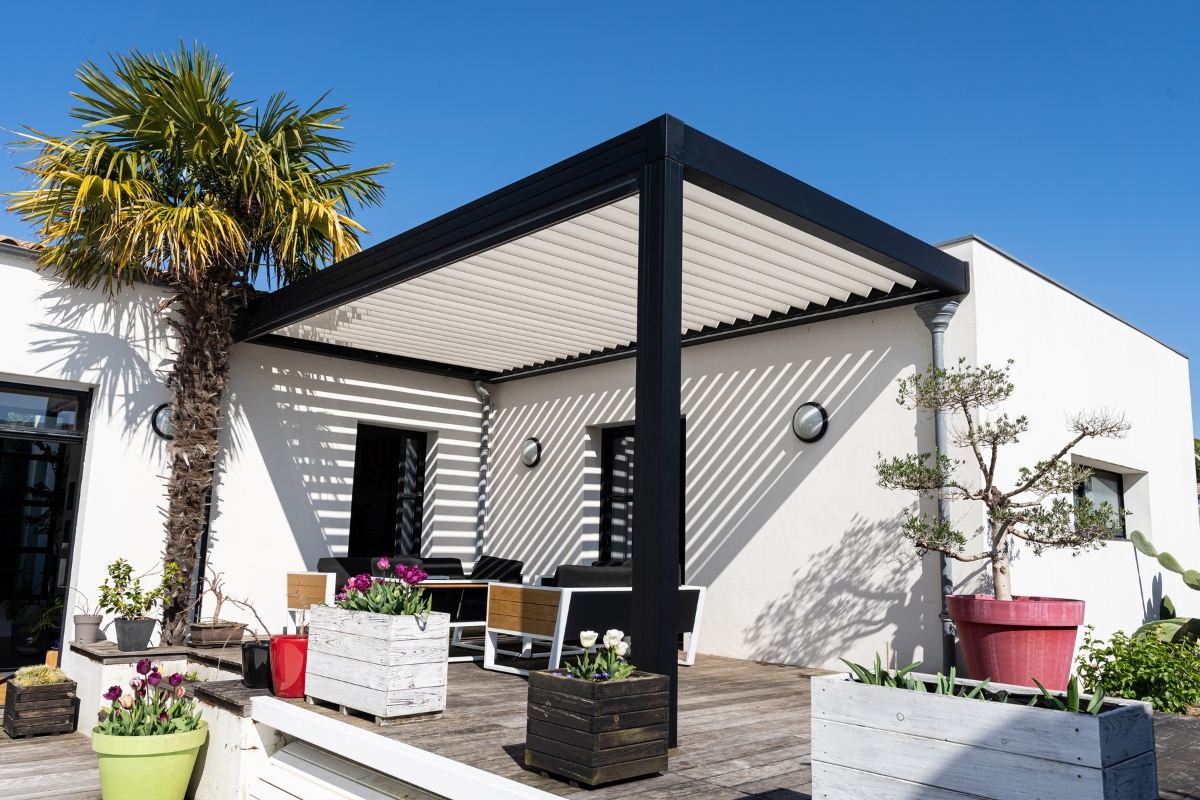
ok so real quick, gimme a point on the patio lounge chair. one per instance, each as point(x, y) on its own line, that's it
point(556, 614)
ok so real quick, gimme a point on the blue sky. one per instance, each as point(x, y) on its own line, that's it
point(1065, 133)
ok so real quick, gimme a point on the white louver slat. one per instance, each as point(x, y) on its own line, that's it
point(571, 289)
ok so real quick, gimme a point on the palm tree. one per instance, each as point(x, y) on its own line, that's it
point(173, 180)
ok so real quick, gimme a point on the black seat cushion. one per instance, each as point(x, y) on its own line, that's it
point(491, 568)
point(345, 568)
point(571, 576)
point(443, 567)
point(610, 563)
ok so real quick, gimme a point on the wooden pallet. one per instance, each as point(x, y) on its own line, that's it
point(33, 710)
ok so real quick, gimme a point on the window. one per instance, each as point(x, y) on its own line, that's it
point(389, 484)
point(1105, 487)
point(616, 494)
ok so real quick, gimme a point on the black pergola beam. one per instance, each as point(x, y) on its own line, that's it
point(655, 623)
point(594, 178)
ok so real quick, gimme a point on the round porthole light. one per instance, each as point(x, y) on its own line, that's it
point(810, 422)
point(160, 420)
point(531, 452)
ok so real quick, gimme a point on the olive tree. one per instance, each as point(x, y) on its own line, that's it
point(1037, 507)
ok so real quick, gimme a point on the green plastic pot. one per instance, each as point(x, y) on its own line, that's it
point(147, 767)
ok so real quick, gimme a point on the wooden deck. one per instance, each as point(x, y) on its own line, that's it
point(744, 733)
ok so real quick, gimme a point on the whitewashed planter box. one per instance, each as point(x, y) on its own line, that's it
point(391, 666)
point(876, 742)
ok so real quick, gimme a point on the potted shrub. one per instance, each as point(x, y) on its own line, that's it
point(149, 738)
point(884, 733)
point(125, 597)
point(598, 720)
point(379, 649)
point(217, 631)
point(1007, 638)
point(39, 699)
point(287, 658)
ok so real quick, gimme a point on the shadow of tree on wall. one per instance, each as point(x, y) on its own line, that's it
point(109, 343)
point(859, 588)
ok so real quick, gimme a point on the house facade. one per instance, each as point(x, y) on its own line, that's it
point(798, 547)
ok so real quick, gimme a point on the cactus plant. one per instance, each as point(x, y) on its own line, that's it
point(1169, 628)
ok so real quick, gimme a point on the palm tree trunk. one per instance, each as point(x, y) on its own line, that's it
point(203, 322)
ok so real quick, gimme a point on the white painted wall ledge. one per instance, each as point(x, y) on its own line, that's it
point(436, 774)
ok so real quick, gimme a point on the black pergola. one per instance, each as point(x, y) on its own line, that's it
point(675, 204)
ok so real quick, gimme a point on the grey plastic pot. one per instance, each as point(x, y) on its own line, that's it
point(87, 628)
point(134, 634)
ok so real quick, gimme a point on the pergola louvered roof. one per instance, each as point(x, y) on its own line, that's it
point(543, 274)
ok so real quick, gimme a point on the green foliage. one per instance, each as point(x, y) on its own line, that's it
point(1072, 703)
point(1165, 674)
point(1038, 509)
point(380, 596)
point(47, 618)
point(610, 662)
point(158, 706)
point(169, 175)
point(1191, 577)
point(125, 597)
point(39, 675)
point(901, 679)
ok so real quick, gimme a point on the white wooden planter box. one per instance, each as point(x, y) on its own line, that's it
point(387, 665)
point(876, 742)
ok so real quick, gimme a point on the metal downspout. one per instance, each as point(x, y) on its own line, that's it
point(937, 315)
point(481, 512)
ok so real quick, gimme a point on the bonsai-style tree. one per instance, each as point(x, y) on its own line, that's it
point(172, 179)
point(1038, 507)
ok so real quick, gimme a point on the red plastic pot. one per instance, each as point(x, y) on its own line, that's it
point(1015, 641)
point(289, 656)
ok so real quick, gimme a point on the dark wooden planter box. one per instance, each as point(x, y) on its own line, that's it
point(30, 710)
point(597, 732)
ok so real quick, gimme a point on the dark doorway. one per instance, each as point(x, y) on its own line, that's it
point(389, 489)
point(41, 452)
point(616, 494)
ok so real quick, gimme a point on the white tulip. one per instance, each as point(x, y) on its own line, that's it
point(588, 639)
point(613, 637)
point(622, 648)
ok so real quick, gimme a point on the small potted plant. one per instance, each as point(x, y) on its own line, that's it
point(122, 594)
point(87, 621)
point(598, 720)
point(40, 699)
point(1005, 637)
point(286, 658)
point(380, 621)
point(149, 738)
point(217, 631)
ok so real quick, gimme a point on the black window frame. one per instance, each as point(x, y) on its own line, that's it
point(409, 490)
point(1119, 478)
point(607, 437)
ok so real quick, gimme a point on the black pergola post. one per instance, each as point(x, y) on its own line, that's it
point(659, 310)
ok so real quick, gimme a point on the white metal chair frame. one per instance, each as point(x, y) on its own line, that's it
point(491, 642)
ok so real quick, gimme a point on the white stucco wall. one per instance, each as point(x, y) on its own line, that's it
point(797, 545)
point(1070, 357)
point(285, 476)
point(117, 348)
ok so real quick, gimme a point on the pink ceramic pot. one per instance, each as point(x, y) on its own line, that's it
point(1015, 641)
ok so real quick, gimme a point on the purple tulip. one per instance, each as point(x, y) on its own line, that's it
point(136, 683)
point(162, 717)
point(113, 693)
point(143, 666)
point(383, 563)
point(140, 693)
point(154, 679)
point(175, 679)
point(340, 596)
point(362, 582)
